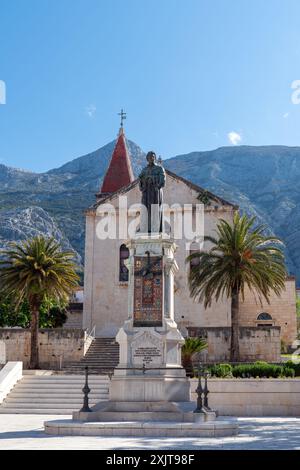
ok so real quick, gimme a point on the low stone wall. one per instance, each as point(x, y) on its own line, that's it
point(57, 346)
point(9, 376)
point(256, 344)
point(2, 353)
point(253, 397)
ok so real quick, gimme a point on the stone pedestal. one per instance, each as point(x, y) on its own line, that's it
point(150, 356)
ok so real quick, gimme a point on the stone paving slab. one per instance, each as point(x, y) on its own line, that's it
point(26, 432)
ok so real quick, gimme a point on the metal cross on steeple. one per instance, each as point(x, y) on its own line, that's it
point(123, 117)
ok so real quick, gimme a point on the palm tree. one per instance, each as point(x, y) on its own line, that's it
point(34, 270)
point(241, 256)
point(189, 349)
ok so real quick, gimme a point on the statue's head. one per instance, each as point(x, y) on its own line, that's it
point(151, 157)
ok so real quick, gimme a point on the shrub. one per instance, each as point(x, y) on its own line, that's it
point(262, 370)
point(189, 349)
point(221, 370)
point(288, 372)
point(295, 367)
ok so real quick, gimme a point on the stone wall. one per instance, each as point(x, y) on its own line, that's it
point(57, 346)
point(282, 310)
point(253, 397)
point(256, 344)
point(2, 353)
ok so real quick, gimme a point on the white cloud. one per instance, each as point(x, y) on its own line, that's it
point(234, 138)
point(91, 110)
point(286, 115)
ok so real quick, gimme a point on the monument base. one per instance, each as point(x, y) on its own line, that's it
point(149, 389)
point(138, 419)
point(218, 428)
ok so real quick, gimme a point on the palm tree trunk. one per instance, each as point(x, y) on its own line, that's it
point(234, 346)
point(34, 343)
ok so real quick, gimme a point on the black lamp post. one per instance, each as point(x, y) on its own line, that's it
point(206, 391)
point(199, 391)
point(86, 390)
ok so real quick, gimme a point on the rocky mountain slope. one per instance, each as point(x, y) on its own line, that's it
point(261, 180)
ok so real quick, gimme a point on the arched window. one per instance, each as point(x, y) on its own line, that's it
point(194, 248)
point(264, 316)
point(123, 271)
point(264, 319)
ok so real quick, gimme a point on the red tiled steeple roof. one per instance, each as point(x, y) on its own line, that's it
point(119, 173)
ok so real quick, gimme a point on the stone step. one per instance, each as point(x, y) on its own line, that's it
point(88, 360)
point(54, 394)
point(97, 363)
point(94, 371)
point(104, 349)
point(103, 354)
point(38, 411)
point(39, 389)
point(99, 357)
point(93, 360)
point(57, 400)
point(216, 429)
point(34, 406)
point(63, 379)
point(68, 379)
point(58, 395)
point(64, 384)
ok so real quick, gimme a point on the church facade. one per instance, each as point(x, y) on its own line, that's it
point(106, 275)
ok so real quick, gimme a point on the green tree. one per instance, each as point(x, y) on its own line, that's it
point(298, 307)
point(52, 314)
point(36, 270)
point(189, 349)
point(241, 256)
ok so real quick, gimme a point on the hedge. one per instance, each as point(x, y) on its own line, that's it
point(258, 369)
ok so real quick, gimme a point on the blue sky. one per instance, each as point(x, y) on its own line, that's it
point(188, 73)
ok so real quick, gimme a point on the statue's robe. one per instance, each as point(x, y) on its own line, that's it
point(152, 180)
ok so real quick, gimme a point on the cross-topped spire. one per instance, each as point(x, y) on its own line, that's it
point(123, 117)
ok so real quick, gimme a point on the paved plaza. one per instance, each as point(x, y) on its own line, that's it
point(26, 432)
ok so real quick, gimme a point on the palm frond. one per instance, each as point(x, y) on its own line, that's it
point(240, 256)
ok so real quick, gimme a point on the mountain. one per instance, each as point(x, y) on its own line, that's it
point(20, 224)
point(263, 181)
point(56, 198)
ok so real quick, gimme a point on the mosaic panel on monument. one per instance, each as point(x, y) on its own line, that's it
point(148, 291)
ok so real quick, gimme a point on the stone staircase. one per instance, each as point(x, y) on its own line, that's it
point(53, 394)
point(102, 357)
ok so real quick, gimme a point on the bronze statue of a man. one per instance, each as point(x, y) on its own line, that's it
point(152, 180)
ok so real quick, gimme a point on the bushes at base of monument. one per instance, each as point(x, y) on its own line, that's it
point(259, 369)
